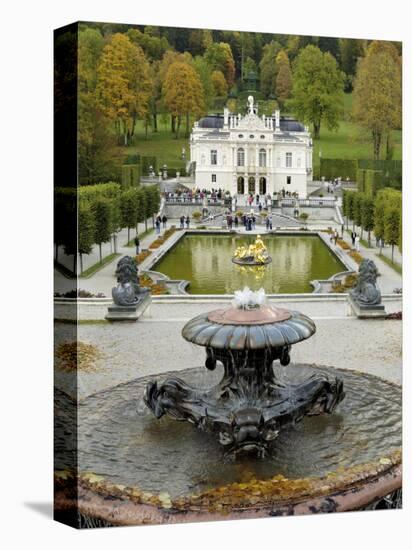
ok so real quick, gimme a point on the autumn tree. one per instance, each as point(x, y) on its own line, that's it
point(123, 85)
point(168, 59)
point(183, 94)
point(219, 83)
point(283, 87)
point(220, 58)
point(377, 95)
point(268, 67)
point(317, 93)
point(97, 158)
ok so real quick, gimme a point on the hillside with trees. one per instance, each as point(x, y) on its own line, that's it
point(141, 88)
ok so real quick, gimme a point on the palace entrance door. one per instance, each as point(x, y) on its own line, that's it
point(262, 186)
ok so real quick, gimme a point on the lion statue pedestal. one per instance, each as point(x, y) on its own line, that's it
point(129, 299)
point(365, 299)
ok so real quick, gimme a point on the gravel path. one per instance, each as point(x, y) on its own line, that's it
point(154, 345)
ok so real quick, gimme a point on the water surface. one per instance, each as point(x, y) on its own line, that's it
point(119, 437)
point(205, 261)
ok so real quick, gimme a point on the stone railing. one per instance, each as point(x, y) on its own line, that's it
point(198, 201)
point(316, 202)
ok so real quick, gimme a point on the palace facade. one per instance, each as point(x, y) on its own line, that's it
point(251, 154)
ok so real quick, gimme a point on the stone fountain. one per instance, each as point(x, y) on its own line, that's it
point(249, 406)
point(257, 437)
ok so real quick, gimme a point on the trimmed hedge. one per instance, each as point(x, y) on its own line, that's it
point(391, 171)
point(369, 181)
point(335, 168)
point(130, 175)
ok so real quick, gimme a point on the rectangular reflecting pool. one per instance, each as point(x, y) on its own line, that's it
point(206, 261)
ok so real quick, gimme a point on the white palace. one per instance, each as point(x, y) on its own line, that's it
point(251, 154)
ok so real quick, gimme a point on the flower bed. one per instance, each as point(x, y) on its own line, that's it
point(343, 286)
point(142, 256)
point(343, 244)
point(160, 240)
point(356, 256)
point(156, 289)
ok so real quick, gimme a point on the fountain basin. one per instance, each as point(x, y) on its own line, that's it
point(135, 469)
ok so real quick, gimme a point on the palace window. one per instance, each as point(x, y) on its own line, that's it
point(262, 158)
point(213, 178)
point(241, 157)
point(288, 160)
point(251, 136)
point(213, 156)
point(240, 135)
point(288, 179)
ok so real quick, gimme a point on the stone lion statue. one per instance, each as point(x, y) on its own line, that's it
point(127, 292)
point(366, 291)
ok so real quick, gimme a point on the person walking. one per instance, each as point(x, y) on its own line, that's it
point(336, 236)
point(254, 222)
point(164, 221)
point(137, 244)
point(157, 224)
point(236, 221)
point(357, 243)
point(270, 221)
point(267, 223)
point(353, 237)
point(182, 222)
point(187, 222)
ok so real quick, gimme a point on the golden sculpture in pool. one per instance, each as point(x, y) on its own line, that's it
point(254, 254)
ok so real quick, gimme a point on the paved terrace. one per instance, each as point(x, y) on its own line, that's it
point(154, 344)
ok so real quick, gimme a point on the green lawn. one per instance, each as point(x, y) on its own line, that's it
point(394, 265)
point(161, 144)
point(348, 142)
